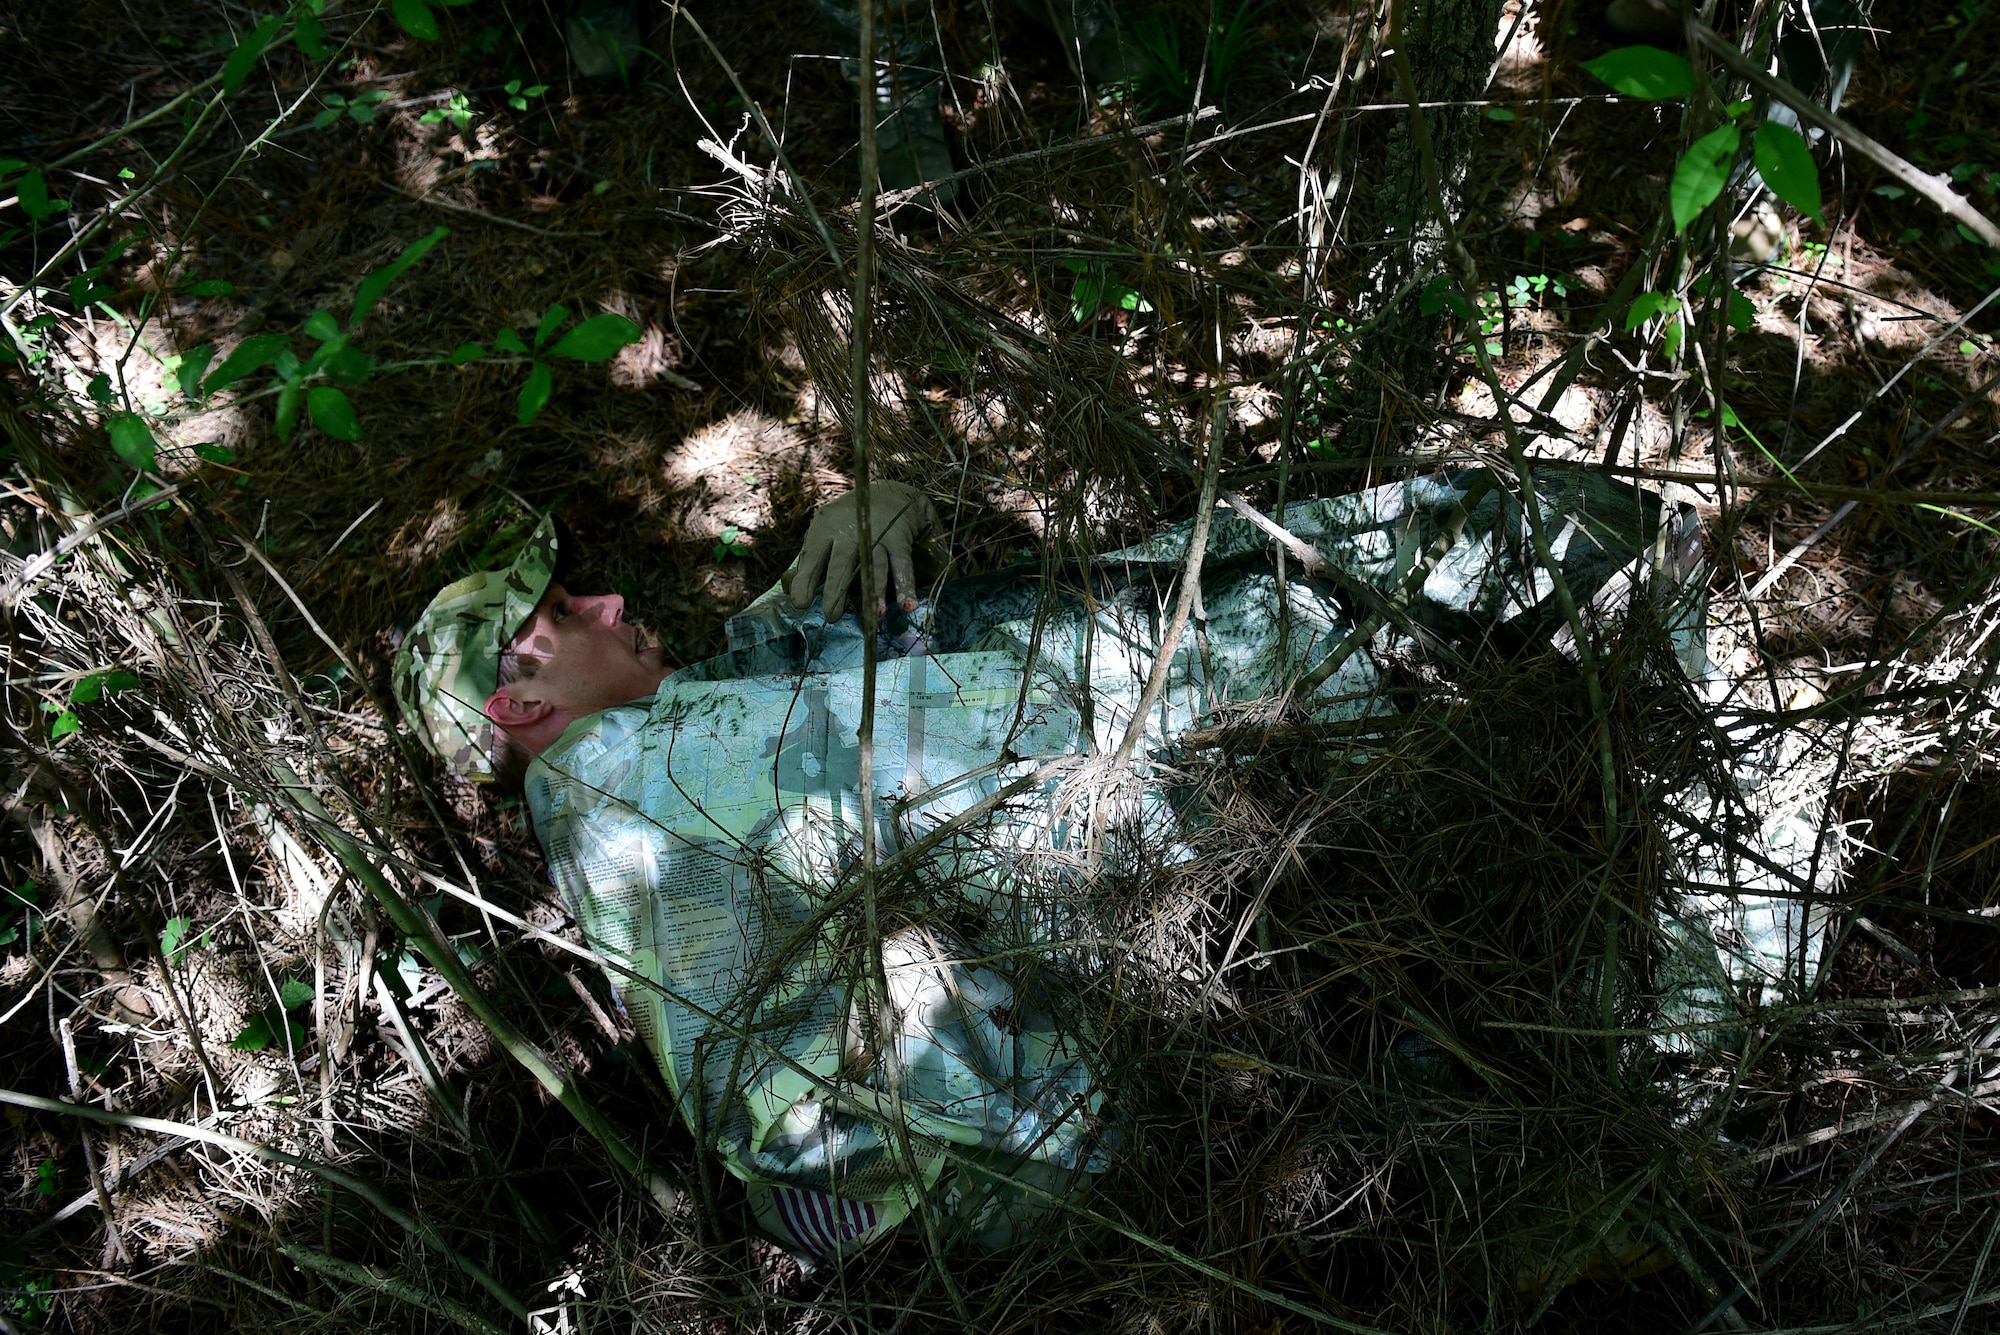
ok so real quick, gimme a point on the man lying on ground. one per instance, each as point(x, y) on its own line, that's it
point(705, 824)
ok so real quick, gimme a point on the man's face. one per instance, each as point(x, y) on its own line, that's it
point(587, 656)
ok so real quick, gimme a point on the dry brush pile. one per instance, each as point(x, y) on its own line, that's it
point(297, 1034)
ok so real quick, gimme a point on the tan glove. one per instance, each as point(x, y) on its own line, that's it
point(903, 525)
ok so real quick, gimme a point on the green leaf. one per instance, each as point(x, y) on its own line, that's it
point(508, 341)
point(1648, 304)
point(465, 352)
point(289, 399)
point(65, 724)
point(244, 58)
point(1501, 114)
point(1672, 343)
point(171, 935)
point(256, 1035)
point(535, 394)
point(132, 440)
point(193, 362)
point(326, 118)
point(1786, 163)
point(595, 339)
point(1701, 174)
point(551, 317)
point(33, 193)
point(348, 366)
point(1441, 294)
point(1128, 299)
point(1967, 348)
point(215, 454)
point(45, 1178)
point(99, 390)
point(145, 489)
point(332, 413)
point(310, 35)
point(89, 690)
point(1890, 191)
point(209, 287)
point(375, 284)
point(294, 994)
point(1742, 313)
point(321, 325)
point(416, 19)
point(1644, 71)
point(253, 353)
point(1085, 297)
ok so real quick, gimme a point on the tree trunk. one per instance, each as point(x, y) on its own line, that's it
point(1449, 44)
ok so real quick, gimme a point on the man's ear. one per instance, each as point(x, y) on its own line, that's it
point(512, 714)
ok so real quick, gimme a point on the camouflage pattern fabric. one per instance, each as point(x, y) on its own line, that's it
point(449, 662)
point(707, 838)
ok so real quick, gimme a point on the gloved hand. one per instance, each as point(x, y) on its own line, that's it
point(903, 525)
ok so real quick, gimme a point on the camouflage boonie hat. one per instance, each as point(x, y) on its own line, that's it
point(450, 661)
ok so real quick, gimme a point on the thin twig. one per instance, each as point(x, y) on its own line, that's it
point(416, 1228)
point(1936, 189)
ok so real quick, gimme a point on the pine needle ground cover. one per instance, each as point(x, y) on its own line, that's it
point(307, 314)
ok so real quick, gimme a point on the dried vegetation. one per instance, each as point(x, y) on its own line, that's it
point(289, 1018)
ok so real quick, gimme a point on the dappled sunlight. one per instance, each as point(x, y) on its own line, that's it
point(427, 535)
point(728, 468)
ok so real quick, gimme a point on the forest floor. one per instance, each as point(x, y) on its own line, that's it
point(687, 466)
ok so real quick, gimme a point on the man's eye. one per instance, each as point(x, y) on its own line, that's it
point(559, 613)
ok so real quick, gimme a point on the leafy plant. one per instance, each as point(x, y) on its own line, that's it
point(415, 17)
point(30, 1297)
point(274, 1023)
point(731, 544)
point(20, 902)
point(518, 97)
point(1648, 305)
point(1701, 173)
point(89, 690)
point(457, 109)
point(243, 58)
point(594, 340)
point(360, 108)
point(1166, 81)
point(1644, 71)
point(1783, 158)
point(1093, 291)
point(1742, 314)
point(336, 361)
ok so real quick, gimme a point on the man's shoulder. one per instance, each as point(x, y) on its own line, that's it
point(586, 756)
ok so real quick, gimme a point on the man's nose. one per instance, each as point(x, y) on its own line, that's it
point(606, 607)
